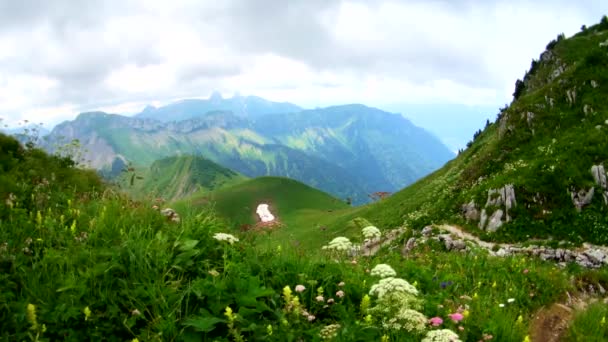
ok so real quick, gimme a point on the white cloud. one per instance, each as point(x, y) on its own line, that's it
point(56, 61)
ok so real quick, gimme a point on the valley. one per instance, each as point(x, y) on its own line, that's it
point(243, 219)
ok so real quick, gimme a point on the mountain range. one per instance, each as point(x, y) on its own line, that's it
point(349, 151)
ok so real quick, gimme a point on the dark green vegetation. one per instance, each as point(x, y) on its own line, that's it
point(86, 263)
point(177, 177)
point(349, 151)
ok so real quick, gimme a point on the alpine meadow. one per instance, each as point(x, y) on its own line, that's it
point(247, 219)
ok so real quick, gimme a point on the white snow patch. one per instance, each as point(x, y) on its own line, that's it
point(264, 213)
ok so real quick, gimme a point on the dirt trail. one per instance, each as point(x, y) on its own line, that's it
point(468, 236)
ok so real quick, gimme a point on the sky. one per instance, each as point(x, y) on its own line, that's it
point(445, 64)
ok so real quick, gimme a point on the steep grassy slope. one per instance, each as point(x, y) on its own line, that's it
point(297, 206)
point(385, 149)
point(180, 176)
point(527, 172)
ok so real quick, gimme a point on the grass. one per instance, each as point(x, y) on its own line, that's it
point(178, 177)
point(90, 263)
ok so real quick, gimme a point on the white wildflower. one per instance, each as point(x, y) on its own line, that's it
point(371, 232)
point(510, 300)
point(225, 237)
point(390, 285)
point(408, 320)
point(383, 271)
point(339, 244)
point(329, 331)
point(442, 335)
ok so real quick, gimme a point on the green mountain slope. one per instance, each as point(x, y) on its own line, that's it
point(181, 176)
point(538, 171)
point(385, 149)
point(294, 204)
point(349, 151)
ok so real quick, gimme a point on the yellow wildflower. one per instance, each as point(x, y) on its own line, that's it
point(365, 303)
point(31, 316)
point(527, 339)
point(466, 313)
point(384, 338)
point(87, 313)
point(287, 294)
point(228, 313)
point(269, 330)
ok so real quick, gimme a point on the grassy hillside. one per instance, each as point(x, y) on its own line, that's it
point(80, 262)
point(299, 208)
point(180, 176)
point(544, 144)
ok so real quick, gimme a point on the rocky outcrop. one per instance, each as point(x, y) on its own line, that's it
point(503, 125)
point(587, 109)
point(470, 211)
point(581, 198)
point(571, 96)
point(588, 256)
point(599, 176)
point(504, 199)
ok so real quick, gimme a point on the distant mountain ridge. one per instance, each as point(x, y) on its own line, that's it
point(349, 151)
point(248, 107)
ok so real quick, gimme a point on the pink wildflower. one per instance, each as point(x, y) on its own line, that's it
point(300, 288)
point(320, 299)
point(526, 271)
point(341, 284)
point(456, 317)
point(330, 301)
point(311, 318)
point(436, 321)
point(340, 293)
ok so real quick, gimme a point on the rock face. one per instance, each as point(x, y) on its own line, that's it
point(502, 200)
point(495, 221)
point(470, 211)
point(599, 176)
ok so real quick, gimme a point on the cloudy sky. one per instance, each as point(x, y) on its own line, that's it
point(62, 57)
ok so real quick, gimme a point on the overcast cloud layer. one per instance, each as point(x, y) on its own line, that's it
point(62, 57)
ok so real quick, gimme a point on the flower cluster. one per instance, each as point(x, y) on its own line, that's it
point(443, 335)
point(407, 319)
point(383, 271)
point(329, 331)
point(225, 237)
point(390, 285)
point(371, 232)
point(339, 244)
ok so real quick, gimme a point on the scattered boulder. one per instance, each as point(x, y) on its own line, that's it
point(557, 72)
point(408, 246)
point(171, 215)
point(581, 198)
point(587, 109)
point(571, 96)
point(483, 219)
point(495, 221)
point(599, 176)
point(427, 231)
point(470, 211)
point(546, 56)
